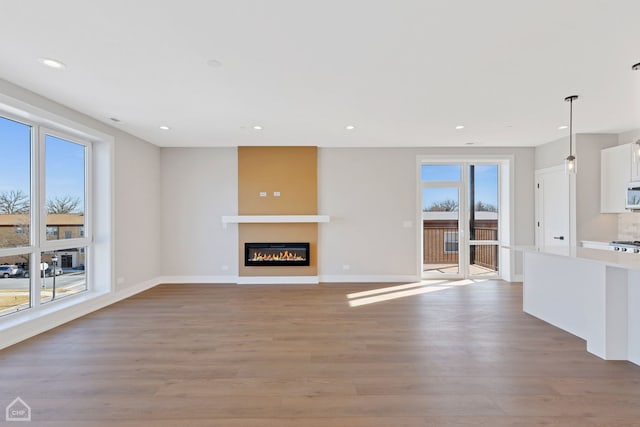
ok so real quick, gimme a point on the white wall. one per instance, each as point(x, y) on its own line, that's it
point(590, 223)
point(552, 153)
point(137, 202)
point(199, 186)
point(370, 193)
point(629, 137)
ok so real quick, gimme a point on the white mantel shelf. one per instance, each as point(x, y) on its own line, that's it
point(243, 219)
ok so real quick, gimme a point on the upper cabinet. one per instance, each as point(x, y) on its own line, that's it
point(635, 161)
point(616, 168)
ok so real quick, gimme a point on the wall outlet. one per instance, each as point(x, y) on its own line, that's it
point(276, 194)
point(224, 268)
point(346, 267)
point(263, 194)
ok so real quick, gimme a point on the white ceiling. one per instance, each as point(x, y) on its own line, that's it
point(404, 72)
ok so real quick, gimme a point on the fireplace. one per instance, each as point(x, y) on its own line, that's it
point(276, 254)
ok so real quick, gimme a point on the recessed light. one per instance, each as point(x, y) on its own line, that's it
point(214, 63)
point(257, 127)
point(52, 63)
point(563, 127)
point(350, 127)
point(459, 127)
point(115, 119)
point(165, 127)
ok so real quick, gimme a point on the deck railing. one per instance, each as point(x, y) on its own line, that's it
point(440, 246)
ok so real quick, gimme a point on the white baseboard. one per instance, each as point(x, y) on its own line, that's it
point(367, 278)
point(31, 323)
point(198, 279)
point(277, 280)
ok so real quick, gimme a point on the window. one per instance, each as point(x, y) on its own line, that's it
point(450, 242)
point(52, 233)
point(44, 187)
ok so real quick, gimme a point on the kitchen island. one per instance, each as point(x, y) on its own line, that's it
point(594, 294)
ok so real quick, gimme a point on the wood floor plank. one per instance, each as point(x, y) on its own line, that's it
point(303, 356)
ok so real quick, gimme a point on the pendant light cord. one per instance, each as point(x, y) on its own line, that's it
point(570, 99)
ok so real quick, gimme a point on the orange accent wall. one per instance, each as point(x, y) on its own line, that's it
point(292, 171)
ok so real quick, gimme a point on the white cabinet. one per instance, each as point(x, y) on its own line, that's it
point(615, 174)
point(635, 162)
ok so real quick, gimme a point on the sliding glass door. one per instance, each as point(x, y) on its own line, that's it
point(460, 229)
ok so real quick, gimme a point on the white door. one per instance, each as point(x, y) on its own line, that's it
point(553, 211)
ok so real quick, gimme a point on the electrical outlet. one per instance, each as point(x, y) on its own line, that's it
point(276, 194)
point(224, 268)
point(263, 194)
point(346, 267)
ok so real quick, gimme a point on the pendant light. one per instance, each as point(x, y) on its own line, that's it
point(570, 161)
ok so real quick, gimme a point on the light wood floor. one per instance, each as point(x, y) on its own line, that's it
point(302, 356)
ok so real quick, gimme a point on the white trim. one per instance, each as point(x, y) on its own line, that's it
point(198, 279)
point(243, 219)
point(336, 278)
point(516, 278)
point(277, 280)
point(24, 327)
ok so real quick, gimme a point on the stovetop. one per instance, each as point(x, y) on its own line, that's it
point(633, 243)
point(626, 246)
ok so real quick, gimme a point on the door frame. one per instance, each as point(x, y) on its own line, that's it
point(506, 192)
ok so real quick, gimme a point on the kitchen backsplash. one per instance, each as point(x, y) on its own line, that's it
point(629, 226)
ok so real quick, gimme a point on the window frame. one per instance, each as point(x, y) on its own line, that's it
point(60, 243)
point(38, 242)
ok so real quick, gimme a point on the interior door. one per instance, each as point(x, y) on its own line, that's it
point(553, 211)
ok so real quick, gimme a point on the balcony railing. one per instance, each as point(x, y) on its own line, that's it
point(440, 246)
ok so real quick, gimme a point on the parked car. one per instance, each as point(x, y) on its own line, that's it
point(47, 273)
point(11, 271)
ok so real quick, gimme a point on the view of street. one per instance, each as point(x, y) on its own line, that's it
point(14, 292)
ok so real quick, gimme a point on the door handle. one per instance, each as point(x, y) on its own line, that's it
point(558, 237)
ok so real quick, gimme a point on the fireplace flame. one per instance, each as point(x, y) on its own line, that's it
point(281, 256)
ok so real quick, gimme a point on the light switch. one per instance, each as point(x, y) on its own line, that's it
point(276, 194)
point(263, 194)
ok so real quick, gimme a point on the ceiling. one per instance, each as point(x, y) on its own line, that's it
point(403, 72)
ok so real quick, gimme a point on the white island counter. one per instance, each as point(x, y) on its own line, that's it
point(594, 295)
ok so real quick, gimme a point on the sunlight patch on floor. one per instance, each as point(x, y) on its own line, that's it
point(401, 291)
point(394, 288)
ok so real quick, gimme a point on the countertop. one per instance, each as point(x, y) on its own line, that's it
point(608, 257)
